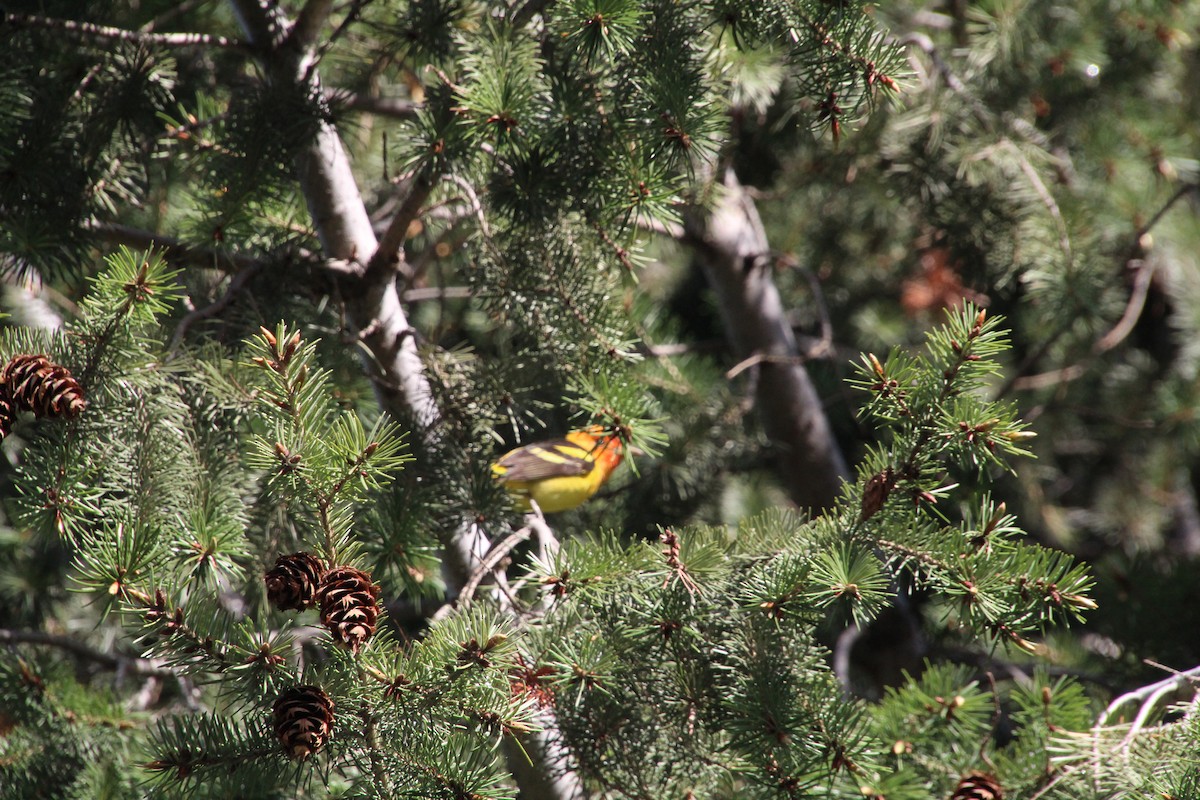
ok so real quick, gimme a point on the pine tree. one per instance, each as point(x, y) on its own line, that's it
point(316, 266)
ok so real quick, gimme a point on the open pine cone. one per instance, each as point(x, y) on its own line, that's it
point(978, 786)
point(8, 412)
point(292, 582)
point(303, 720)
point(349, 606)
point(37, 384)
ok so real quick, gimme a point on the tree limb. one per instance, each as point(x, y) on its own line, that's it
point(88, 30)
point(731, 246)
point(309, 22)
point(340, 217)
point(129, 664)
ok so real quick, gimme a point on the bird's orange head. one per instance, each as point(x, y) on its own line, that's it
point(606, 445)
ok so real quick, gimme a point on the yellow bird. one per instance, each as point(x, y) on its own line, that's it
point(560, 474)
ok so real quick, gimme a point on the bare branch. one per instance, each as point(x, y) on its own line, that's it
point(528, 11)
point(1149, 694)
point(129, 664)
point(88, 30)
point(731, 246)
point(754, 359)
point(309, 22)
point(437, 293)
point(1133, 310)
point(391, 107)
point(236, 284)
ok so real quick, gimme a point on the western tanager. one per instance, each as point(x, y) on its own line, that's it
point(560, 474)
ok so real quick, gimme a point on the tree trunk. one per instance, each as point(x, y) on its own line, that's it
point(731, 246)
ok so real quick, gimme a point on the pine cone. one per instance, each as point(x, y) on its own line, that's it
point(292, 582)
point(37, 384)
point(348, 606)
point(303, 720)
point(978, 786)
point(876, 492)
point(8, 412)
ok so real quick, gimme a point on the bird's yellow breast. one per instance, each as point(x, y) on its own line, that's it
point(559, 474)
point(556, 494)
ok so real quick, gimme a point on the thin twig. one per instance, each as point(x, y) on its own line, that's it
point(476, 206)
point(1140, 696)
point(1133, 310)
point(758, 358)
point(106, 33)
point(236, 284)
point(392, 107)
point(438, 293)
point(1064, 236)
point(490, 562)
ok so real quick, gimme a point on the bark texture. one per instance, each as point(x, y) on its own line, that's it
point(732, 248)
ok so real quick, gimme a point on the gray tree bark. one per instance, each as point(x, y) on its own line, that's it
point(732, 248)
point(376, 312)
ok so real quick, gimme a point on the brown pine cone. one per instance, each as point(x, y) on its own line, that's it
point(303, 720)
point(349, 606)
point(8, 412)
point(876, 492)
point(37, 384)
point(292, 582)
point(978, 786)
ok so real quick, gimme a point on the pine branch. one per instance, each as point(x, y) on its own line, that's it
point(173, 249)
point(130, 664)
point(88, 30)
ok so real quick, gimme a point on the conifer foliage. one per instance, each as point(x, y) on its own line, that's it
point(316, 266)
